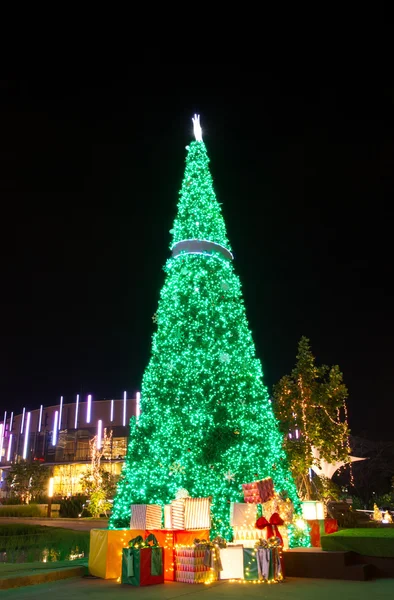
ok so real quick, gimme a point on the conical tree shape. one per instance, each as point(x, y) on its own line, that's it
point(206, 421)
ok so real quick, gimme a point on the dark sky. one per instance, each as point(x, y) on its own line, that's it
point(89, 182)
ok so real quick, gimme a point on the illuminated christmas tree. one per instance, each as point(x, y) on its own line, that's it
point(206, 422)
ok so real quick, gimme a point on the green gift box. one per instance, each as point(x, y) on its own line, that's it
point(250, 565)
point(143, 564)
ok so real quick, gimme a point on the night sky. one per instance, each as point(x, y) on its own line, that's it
point(89, 181)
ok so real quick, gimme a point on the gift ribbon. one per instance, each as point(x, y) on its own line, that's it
point(212, 552)
point(130, 563)
point(271, 525)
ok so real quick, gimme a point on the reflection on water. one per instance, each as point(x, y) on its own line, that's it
point(38, 555)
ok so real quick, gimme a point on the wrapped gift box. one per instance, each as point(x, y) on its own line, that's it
point(168, 539)
point(262, 564)
point(145, 516)
point(190, 567)
point(232, 558)
point(197, 513)
point(243, 515)
point(105, 552)
point(190, 513)
point(258, 492)
point(167, 517)
point(178, 514)
point(321, 527)
point(142, 566)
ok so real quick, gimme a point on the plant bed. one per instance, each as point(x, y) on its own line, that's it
point(367, 541)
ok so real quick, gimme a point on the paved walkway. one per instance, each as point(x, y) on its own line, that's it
point(77, 524)
point(291, 589)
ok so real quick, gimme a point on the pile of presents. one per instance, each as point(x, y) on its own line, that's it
point(148, 554)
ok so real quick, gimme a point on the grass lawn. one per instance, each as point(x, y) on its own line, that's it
point(368, 542)
point(27, 543)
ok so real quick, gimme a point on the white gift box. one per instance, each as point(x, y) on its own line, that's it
point(167, 517)
point(145, 516)
point(197, 513)
point(232, 559)
point(243, 515)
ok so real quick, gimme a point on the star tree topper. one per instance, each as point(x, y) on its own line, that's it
point(197, 128)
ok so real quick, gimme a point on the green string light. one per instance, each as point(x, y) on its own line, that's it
point(206, 421)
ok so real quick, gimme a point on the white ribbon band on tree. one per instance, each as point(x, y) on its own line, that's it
point(200, 247)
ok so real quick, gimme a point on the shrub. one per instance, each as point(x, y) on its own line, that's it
point(71, 508)
point(21, 510)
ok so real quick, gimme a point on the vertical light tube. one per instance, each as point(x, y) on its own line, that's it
point(76, 413)
point(297, 434)
point(11, 421)
point(40, 420)
point(124, 408)
point(54, 434)
point(89, 409)
point(5, 421)
point(112, 411)
point(50, 487)
point(1, 440)
point(23, 419)
point(99, 433)
point(60, 413)
point(26, 440)
point(138, 406)
point(9, 448)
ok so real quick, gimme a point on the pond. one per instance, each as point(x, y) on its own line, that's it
point(32, 543)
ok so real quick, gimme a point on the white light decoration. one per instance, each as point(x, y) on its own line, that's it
point(60, 412)
point(312, 510)
point(26, 440)
point(40, 419)
point(112, 411)
point(124, 408)
point(55, 422)
point(9, 448)
point(197, 128)
point(5, 420)
point(89, 409)
point(23, 419)
point(76, 413)
point(99, 433)
point(138, 405)
point(11, 421)
point(1, 440)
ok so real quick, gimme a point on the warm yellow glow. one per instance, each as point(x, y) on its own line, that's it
point(50, 488)
point(309, 510)
point(319, 510)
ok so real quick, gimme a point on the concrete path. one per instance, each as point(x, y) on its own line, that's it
point(291, 589)
point(76, 524)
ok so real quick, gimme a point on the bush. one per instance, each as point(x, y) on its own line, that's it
point(21, 510)
point(71, 508)
point(11, 500)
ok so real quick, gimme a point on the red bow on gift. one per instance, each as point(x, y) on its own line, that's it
point(271, 525)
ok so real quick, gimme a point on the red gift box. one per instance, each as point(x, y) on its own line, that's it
point(169, 538)
point(321, 527)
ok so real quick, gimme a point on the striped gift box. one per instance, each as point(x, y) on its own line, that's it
point(197, 513)
point(178, 514)
point(145, 516)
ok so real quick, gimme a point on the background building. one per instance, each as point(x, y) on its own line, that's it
point(59, 436)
